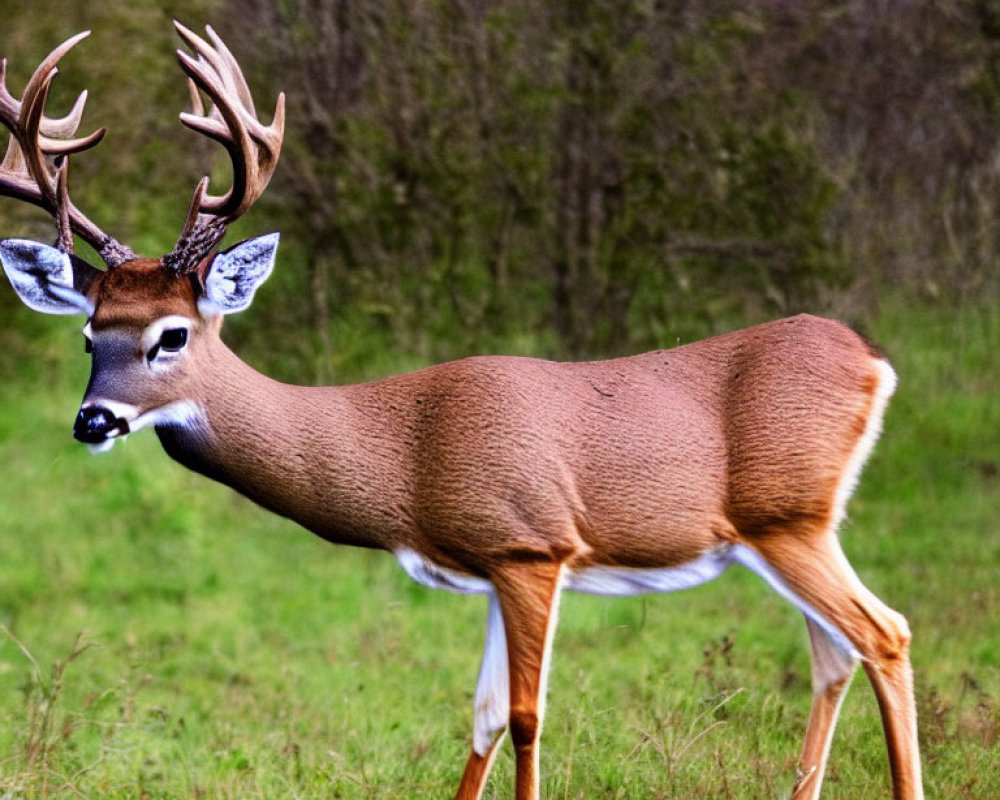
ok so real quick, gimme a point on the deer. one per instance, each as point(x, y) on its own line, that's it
point(511, 477)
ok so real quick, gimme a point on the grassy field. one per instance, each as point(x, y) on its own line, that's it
point(163, 638)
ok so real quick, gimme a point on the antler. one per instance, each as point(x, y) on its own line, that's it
point(36, 164)
point(232, 122)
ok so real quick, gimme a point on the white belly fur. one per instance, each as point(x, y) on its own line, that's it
point(627, 581)
point(612, 581)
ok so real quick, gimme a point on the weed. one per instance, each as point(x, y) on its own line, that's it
point(44, 731)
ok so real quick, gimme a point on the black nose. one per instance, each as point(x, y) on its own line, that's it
point(94, 424)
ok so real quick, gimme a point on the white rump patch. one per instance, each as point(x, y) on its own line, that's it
point(873, 429)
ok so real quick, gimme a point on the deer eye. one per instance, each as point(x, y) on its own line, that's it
point(166, 337)
point(173, 339)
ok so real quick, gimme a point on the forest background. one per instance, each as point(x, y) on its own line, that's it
point(573, 179)
point(596, 177)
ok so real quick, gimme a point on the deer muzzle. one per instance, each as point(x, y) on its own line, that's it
point(96, 424)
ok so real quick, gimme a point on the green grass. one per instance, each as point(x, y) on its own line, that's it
point(227, 654)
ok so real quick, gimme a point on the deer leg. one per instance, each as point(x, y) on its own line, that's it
point(814, 572)
point(492, 706)
point(832, 670)
point(528, 593)
point(892, 680)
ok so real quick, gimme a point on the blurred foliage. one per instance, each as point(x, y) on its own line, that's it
point(577, 179)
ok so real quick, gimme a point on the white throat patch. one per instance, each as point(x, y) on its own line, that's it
point(182, 414)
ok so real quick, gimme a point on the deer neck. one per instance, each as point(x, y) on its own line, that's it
point(292, 449)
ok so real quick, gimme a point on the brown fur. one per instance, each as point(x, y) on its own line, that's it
point(516, 469)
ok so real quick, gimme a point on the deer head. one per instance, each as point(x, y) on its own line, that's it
point(148, 319)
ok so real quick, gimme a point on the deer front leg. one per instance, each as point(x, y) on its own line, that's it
point(528, 595)
point(492, 706)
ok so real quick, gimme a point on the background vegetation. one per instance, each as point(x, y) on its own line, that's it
point(574, 180)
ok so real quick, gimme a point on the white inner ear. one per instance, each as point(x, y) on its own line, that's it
point(235, 275)
point(42, 276)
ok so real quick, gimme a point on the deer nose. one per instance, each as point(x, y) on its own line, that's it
point(95, 424)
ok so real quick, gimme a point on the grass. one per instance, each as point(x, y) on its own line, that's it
point(163, 638)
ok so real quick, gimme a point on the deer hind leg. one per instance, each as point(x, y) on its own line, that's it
point(814, 573)
point(832, 670)
point(492, 706)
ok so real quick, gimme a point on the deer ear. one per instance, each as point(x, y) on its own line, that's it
point(231, 278)
point(47, 279)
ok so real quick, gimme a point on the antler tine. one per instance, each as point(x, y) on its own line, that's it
point(55, 132)
point(63, 205)
point(233, 123)
point(32, 111)
point(222, 62)
point(232, 71)
point(9, 107)
point(29, 126)
point(26, 172)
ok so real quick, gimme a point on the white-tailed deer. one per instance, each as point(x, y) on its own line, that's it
point(515, 478)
